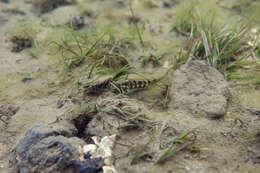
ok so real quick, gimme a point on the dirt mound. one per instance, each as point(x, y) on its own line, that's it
point(198, 88)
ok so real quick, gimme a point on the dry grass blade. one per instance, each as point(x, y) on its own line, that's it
point(205, 42)
point(3, 121)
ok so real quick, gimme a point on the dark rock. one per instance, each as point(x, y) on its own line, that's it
point(89, 165)
point(169, 3)
point(76, 22)
point(198, 88)
point(166, 5)
point(43, 149)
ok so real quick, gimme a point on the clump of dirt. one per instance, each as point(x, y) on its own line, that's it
point(20, 43)
point(209, 94)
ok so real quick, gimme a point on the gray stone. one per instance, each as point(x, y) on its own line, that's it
point(44, 149)
point(198, 88)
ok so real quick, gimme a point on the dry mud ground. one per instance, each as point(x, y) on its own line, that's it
point(225, 145)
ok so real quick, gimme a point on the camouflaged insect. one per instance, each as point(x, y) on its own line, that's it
point(121, 87)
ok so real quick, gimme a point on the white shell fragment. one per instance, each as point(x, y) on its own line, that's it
point(107, 144)
point(91, 148)
point(109, 169)
point(102, 148)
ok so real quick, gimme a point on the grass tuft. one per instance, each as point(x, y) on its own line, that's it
point(222, 46)
point(101, 50)
point(219, 47)
point(136, 26)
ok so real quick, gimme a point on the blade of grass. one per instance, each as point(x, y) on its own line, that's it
point(174, 148)
point(138, 157)
point(136, 26)
point(127, 69)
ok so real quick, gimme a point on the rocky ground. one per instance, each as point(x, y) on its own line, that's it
point(45, 117)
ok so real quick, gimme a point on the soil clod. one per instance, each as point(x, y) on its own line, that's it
point(20, 43)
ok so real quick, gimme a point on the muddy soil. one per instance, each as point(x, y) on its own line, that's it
point(32, 85)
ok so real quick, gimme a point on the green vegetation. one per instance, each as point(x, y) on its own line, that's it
point(136, 26)
point(102, 51)
point(150, 57)
point(189, 14)
point(219, 47)
point(223, 46)
point(177, 144)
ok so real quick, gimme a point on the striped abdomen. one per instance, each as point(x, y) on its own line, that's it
point(130, 85)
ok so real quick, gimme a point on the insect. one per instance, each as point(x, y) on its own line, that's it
point(127, 86)
point(121, 87)
point(97, 87)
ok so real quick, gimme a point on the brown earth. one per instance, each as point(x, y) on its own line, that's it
point(36, 86)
